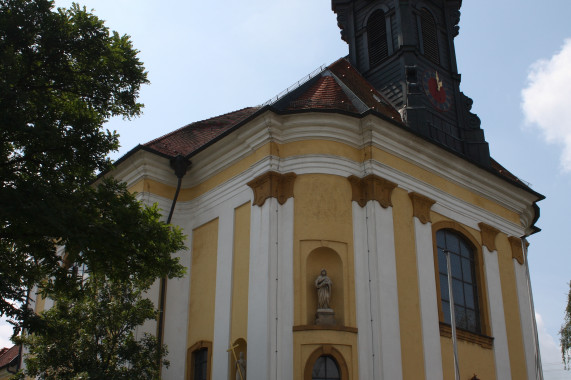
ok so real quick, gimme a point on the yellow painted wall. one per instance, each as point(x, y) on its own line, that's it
point(240, 284)
point(240, 273)
point(511, 308)
point(304, 344)
point(323, 218)
point(407, 282)
point(203, 283)
point(474, 360)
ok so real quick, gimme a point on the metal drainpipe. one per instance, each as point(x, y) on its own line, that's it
point(180, 164)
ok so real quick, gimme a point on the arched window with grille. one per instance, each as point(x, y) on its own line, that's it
point(464, 280)
point(429, 36)
point(378, 47)
point(325, 368)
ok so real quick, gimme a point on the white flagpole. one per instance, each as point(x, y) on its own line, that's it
point(452, 316)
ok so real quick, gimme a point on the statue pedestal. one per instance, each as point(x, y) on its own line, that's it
point(325, 317)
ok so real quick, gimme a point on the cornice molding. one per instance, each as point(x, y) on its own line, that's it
point(272, 185)
point(517, 249)
point(357, 133)
point(489, 234)
point(421, 207)
point(371, 188)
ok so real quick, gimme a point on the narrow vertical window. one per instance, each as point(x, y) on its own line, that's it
point(200, 361)
point(325, 368)
point(429, 36)
point(464, 286)
point(377, 38)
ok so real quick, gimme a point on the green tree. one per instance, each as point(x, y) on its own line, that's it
point(63, 74)
point(565, 333)
point(90, 336)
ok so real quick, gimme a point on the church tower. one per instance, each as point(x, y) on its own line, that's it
point(405, 49)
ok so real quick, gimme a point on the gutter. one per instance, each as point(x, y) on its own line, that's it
point(180, 164)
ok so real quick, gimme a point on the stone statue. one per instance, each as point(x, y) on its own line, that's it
point(323, 285)
point(241, 367)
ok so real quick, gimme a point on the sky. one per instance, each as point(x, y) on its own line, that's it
point(207, 58)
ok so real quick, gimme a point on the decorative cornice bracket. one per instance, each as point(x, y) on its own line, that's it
point(517, 249)
point(421, 207)
point(272, 185)
point(372, 188)
point(489, 234)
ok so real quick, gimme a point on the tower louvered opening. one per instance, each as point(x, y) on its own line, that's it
point(377, 38)
point(429, 36)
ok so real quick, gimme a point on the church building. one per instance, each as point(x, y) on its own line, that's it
point(319, 225)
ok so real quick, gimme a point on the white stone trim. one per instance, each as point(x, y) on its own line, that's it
point(363, 294)
point(497, 317)
point(176, 320)
point(284, 304)
point(382, 232)
point(352, 131)
point(428, 305)
point(526, 316)
point(223, 297)
point(377, 295)
point(262, 247)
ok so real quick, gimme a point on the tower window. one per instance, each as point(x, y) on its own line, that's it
point(464, 286)
point(429, 36)
point(377, 38)
point(325, 368)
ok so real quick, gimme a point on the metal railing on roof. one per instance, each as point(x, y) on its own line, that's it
point(294, 86)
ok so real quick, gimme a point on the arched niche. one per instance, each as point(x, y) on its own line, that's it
point(328, 259)
point(240, 347)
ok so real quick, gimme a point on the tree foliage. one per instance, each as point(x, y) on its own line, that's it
point(565, 333)
point(91, 335)
point(63, 74)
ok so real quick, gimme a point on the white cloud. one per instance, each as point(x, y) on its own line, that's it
point(5, 333)
point(546, 100)
point(550, 353)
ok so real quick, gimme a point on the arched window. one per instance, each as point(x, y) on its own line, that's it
point(325, 368)
point(464, 283)
point(377, 38)
point(199, 358)
point(429, 36)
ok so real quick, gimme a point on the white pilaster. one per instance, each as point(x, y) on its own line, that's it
point(384, 242)
point(223, 301)
point(526, 315)
point(262, 247)
point(281, 363)
point(363, 294)
point(428, 305)
point(176, 320)
point(377, 297)
point(497, 318)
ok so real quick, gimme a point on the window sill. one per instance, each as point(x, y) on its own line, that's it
point(322, 327)
point(483, 340)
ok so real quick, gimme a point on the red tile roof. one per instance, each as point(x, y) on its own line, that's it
point(324, 94)
point(363, 89)
point(192, 137)
point(7, 355)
